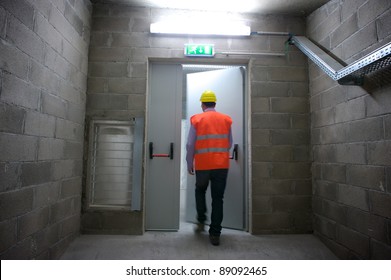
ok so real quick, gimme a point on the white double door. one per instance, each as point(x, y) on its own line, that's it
point(163, 161)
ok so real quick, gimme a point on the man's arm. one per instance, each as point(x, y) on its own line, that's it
point(190, 147)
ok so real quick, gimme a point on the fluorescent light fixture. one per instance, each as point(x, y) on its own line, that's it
point(201, 27)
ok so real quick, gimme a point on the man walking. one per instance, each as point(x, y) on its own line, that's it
point(208, 144)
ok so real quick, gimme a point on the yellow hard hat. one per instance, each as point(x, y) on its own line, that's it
point(208, 96)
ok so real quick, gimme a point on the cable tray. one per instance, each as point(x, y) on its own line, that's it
point(373, 65)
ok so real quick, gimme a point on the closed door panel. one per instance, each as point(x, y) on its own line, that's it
point(163, 148)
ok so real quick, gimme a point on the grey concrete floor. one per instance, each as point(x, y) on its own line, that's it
point(185, 244)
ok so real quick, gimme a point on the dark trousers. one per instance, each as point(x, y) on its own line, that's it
point(218, 180)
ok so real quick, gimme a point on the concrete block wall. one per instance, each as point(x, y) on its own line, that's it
point(43, 81)
point(280, 166)
point(350, 134)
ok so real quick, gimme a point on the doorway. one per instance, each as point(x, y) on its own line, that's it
point(169, 191)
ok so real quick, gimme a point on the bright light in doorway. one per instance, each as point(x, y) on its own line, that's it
point(201, 27)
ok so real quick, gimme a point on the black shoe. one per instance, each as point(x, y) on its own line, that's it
point(215, 240)
point(200, 227)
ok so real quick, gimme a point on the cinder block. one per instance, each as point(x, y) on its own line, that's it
point(73, 18)
point(43, 78)
point(260, 171)
point(326, 227)
point(353, 196)
point(367, 224)
point(358, 42)
point(9, 176)
point(323, 117)
point(288, 74)
point(38, 124)
point(22, 10)
point(379, 153)
point(11, 118)
point(274, 222)
point(371, 10)
point(107, 102)
point(69, 130)
point(259, 74)
point(260, 137)
point(18, 92)
point(60, 210)
point(47, 32)
point(372, 177)
point(13, 61)
point(380, 203)
point(269, 89)
point(50, 148)
point(25, 39)
point(8, 230)
point(18, 147)
point(260, 104)
point(32, 222)
point(75, 113)
point(261, 204)
point(366, 130)
point(34, 173)
point(73, 150)
point(109, 54)
point(271, 187)
point(291, 203)
point(351, 153)
point(346, 29)
point(289, 105)
point(354, 240)
point(127, 86)
point(379, 106)
point(70, 226)
point(350, 7)
point(380, 251)
point(108, 69)
point(333, 134)
point(334, 211)
point(383, 26)
point(110, 24)
point(271, 121)
point(46, 194)
point(287, 170)
point(325, 153)
point(327, 190)
point(2, 22)
point(387, 125)
point(333, 96)
point(289, 137)
point(272, 153)
point(46, 238)
point(16, 203)
point(57, 63)
point(334, 172)
point(351, 110)
point(71, 187)
point(53, 105)
point(300, 121)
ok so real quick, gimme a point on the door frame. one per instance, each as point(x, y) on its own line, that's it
point(246, 125)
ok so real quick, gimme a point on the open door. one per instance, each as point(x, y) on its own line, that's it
point(228, 87)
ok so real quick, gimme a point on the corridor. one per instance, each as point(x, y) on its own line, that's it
point(187, 245)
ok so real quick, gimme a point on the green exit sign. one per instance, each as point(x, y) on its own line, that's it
point(199, 50)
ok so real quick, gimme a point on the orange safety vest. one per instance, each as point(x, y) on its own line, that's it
point(212, 140)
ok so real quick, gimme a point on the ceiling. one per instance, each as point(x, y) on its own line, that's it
point(291, 7)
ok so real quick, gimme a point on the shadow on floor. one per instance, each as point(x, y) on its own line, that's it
point(187, 245)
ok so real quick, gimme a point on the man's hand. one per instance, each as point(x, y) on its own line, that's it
point(191, 171)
